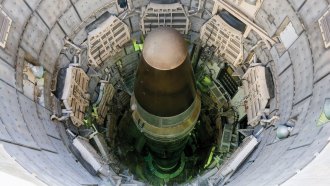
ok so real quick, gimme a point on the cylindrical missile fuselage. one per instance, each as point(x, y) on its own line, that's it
point(167, 106)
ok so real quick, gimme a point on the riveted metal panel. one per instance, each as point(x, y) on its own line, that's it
point(286, 91)
point(52, 48)
point(9, 53)
point(69, 20)
point(10, 166)
point(261, 165)
point(278, 162)
point(86, 7)
point(12, 118)
point(309, 132)
point(45, 165)
point(271, 18)
point(9, 58)
point(50, 126)
point(309, 151)
point(283, 62)
point(34, 35)
point(50, 10)
point(314, 9)
point(302, 64)
point(7, 73)
point(38, 132)
point(4, 135)
point(299, 112)
point(275, 16)
point(33, 3)
point(289, 161)
point(64, 168)
point(262, 19)
point(29, 164)
point(18, 11)
point(297, 3)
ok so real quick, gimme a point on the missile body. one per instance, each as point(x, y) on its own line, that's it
point(165, 103)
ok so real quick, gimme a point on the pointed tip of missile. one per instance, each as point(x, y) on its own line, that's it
point(165, 49)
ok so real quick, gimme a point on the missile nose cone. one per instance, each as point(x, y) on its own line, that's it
point(164, 84)
point(164, 49)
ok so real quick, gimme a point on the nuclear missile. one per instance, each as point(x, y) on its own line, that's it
point(165, 104)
